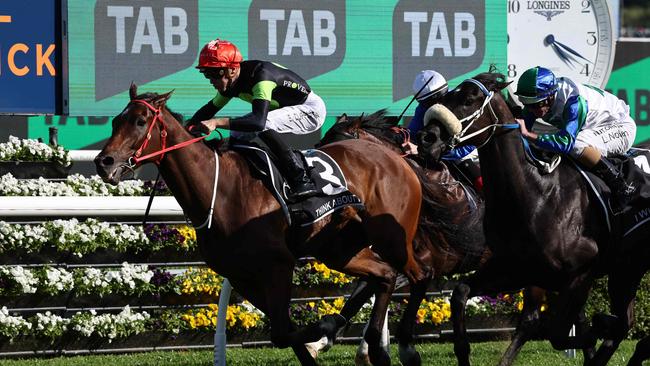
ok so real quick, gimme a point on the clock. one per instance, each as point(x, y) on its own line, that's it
point(572, 38)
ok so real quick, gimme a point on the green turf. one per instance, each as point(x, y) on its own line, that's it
point(433, 354)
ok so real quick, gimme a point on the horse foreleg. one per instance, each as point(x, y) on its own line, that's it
point(529, 324)
point(641, 352)
point(570, 303)
point(276, 280)
point(583, 327)
point(622, 286)
point(408, 355)
point(373, 336)
point(458, 303)
point(332, 323)
point(488, 280)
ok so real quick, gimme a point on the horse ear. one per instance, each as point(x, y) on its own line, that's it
point(357, 122)
point(342, 118)
point(503, 84)
point(133, 91)
point(161, 99)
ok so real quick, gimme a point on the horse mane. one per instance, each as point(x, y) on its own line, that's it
point(148, 96)
point(496, 81)
point(442, 217)
point(378, 121)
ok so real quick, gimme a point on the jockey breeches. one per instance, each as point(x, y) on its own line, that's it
point(611, 138)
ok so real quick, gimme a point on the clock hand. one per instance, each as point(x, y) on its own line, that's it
point(550, 40)
point(569, 49)
point(562, 50)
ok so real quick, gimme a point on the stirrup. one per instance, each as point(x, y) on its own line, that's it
point(308, 190)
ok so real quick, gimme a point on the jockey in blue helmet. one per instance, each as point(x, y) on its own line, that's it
point(593, 124)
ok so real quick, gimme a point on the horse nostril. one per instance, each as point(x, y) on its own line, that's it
point(429, 138)
point(105, 160)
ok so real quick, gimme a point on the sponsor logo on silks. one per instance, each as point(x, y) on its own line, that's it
point(308, 37)
point(294, 85)
point(142, 41)
point(449, 37)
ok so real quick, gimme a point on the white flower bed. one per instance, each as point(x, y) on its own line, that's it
point(129, 278)
point(85, 323)
point(12, 326)
point(32, 150)
point(71, 235)
point(74, 185)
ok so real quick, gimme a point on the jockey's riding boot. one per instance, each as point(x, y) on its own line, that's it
point(290, 165)
point(622, 191)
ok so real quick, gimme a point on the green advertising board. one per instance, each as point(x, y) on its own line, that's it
point(630, 81)
point(359, 56)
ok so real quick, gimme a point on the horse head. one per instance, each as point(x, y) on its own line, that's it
point(466, 115)
point(137, 132)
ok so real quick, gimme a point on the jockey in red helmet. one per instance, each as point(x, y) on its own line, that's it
point(282, 102)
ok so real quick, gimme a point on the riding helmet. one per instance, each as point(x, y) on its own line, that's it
point(429, 83)
point(535, 85)
point(219, 53)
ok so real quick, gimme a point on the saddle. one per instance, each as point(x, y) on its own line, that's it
point(323, 170)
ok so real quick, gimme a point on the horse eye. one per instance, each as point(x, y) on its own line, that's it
point(141, 122)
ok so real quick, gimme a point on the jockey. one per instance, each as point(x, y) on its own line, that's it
point(429, 87)
point(593, 124)
point(282, 102)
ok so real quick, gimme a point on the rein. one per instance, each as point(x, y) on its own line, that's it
point(406, 134)
point(137, 158)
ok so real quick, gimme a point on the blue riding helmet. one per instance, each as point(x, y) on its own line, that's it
point(535, 85)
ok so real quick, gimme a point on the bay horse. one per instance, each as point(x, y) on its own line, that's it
point(544, 230)
point(245, 236)
point(445, 212)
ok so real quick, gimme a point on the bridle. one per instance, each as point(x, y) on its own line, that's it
point(137, 157)
point(462, 136)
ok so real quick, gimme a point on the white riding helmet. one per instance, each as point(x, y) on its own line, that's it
point(436, 85)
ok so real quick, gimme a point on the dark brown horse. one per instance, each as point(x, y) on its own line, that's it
point(445, 215)
point(544, 230)
point(450, 236)
point(247, 238)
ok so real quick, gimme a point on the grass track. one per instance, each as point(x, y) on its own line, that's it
point(536, 353)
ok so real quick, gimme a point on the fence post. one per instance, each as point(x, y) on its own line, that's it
point(220, 333)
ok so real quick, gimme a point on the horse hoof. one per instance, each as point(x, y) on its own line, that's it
point(409, 356)
point(379, 357)
point(362, 360)
point(602, 324)
point(321, 345)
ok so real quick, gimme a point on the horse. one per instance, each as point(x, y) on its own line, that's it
point(246, 237)
point(445, 204)
point(449, 231)
point(544, 230)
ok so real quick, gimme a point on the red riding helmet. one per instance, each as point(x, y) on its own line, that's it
point(219, 53)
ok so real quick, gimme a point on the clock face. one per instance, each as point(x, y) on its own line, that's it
point(572, 38)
